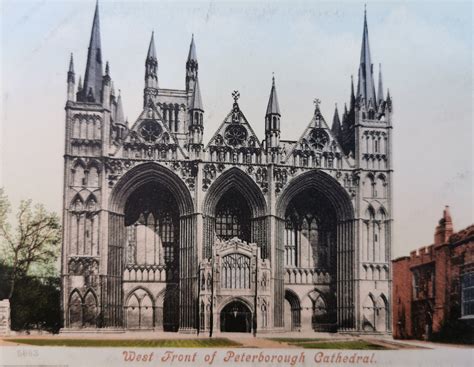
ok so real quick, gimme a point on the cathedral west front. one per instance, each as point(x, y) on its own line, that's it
point(163, 231)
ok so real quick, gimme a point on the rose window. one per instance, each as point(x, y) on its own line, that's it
point(150, 131)
point(318, 139)
point(235, 135)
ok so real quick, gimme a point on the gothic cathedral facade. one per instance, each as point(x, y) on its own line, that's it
point(164, 232)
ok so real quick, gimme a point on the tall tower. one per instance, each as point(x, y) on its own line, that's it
point(272, 126)
point(88, 125)
point(151, 74)
point(369, 132)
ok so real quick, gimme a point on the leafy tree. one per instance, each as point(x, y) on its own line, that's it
point(33, 244)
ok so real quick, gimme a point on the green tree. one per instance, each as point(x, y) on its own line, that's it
point(33, 244)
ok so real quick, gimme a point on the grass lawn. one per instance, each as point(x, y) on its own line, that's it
point(295, 340)
point(309, 343)
point(137, 343)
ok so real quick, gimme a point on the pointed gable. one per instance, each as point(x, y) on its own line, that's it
point(235, 133)
point(150, 138)
point(317, 147)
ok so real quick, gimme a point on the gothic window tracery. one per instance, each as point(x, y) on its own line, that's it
point(150, 131)
point(151, 222)
point(84, 226)
point(233, 217)
point(308, 236)
point(318, 139)
point(235, 272)
point(235, 135)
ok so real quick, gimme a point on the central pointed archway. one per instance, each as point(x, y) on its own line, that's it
point(236, 317)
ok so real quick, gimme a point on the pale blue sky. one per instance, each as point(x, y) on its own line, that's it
point(313, 47)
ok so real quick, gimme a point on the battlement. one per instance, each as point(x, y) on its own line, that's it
point(422, 255)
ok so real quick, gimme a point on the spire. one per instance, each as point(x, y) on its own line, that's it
point(93, 76)
point(70, 81)
point(197, 100)
point(107, 69)
point(366, 86)
point(71, 64)
point(151, 73)
point(79, 84)
point(380, 89)
point(191, 67)
point(192, 50)
point(273, 108)
point(336, 124)
point(151, 48)
point(119, 110)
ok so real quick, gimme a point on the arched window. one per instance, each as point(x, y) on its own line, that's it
point(151, 220)
point(308, 233)
point(233, 217)
point(291, 241)
point(235, 272)
point(370, 234)
point(78, 177)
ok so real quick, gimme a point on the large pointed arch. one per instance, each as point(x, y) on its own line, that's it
point(150, 172)
point(338, 250)
point(235, 178)
point(323, 183)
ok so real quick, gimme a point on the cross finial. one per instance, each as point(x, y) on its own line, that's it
point(235, 95)
point(317, 102)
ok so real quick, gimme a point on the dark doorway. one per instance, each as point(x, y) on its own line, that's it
point(236, 317)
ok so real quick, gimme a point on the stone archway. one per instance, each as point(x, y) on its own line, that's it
point(171, 220)
point(236, 317)
point(335, 260)
point(292, 311)
point(234, 183)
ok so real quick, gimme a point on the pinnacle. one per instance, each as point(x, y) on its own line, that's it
point(197, 99)
point(192, 50)
point(151, 48)
point(273, 106)
point(71, 64)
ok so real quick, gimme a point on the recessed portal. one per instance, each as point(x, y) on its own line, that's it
point(236, 317)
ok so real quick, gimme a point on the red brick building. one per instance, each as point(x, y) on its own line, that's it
point(433, 288)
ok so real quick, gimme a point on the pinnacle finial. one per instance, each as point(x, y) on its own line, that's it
point(235, 95)
point(317, 102)
point(151, 48)
point(71, 64)
point(192, 50)
point(107, 68)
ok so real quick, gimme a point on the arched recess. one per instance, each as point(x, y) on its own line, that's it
point(382, 314)
point(368, 313)
point(90, 310)
point(325, 188)
point(75, 309)
point(159, 178)
point(292, 311)
point(235, 181)
point(167, 305)
point(139, 309)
